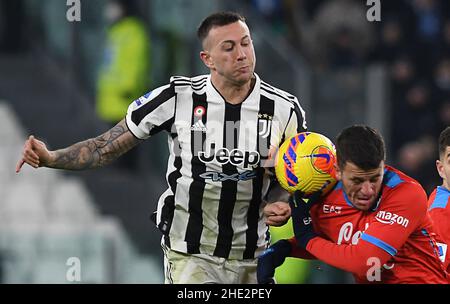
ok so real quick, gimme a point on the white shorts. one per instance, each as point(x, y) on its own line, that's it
point(183, 268)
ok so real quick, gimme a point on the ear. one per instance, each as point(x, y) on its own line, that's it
point(338, 171)
point(440, 169)
point(206, 58)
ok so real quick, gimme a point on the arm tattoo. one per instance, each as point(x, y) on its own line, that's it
point(96, 152)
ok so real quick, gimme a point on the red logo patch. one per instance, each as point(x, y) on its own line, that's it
point(199, 111)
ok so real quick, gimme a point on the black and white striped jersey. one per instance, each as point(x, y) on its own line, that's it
point(216, 171)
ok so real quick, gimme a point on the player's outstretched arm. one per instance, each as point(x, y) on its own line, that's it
point(91, 153)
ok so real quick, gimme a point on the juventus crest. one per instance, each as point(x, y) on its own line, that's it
point(264, 125)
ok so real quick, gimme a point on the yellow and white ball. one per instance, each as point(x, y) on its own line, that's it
point(306, 162)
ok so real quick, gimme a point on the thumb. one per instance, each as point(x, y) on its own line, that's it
point(32, 141)
point(36, 144)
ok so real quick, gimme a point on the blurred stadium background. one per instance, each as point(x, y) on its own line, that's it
point(393, 75)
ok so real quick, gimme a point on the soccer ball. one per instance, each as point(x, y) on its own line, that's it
point(305, 162)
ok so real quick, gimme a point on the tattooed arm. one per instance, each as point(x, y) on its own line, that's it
point(91, 153)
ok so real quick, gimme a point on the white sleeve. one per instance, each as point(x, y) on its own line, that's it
point(152, 112)
point(297, 121)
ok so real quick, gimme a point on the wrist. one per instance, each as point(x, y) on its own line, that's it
point(280, 250)
point(50, 161)
point(270, 259)
point(284, 246)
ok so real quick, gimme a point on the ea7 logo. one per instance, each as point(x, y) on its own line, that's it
point(386, 217)
point(307, 220)
point(331, 209)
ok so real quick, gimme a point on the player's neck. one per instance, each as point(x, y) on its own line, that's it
point(445, 185)
point(232, 92)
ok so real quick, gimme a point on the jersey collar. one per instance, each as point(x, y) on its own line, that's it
point(214, 94)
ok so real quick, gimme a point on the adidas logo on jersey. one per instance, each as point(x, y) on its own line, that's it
point(199, 126)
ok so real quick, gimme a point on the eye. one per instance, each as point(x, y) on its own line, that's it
point(357, 181)
point(245, 42)
point(227, 47)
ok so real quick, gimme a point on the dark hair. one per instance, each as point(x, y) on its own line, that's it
point(217, 19)
point(444, 141)
point(360, 145)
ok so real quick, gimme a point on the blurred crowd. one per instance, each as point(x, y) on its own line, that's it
point(412, 41)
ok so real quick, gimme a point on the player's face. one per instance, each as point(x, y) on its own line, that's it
point(443, 167)
point(229, 53)
point(361, 186)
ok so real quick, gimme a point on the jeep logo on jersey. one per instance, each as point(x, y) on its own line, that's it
point(248, 159)
point(386, 217)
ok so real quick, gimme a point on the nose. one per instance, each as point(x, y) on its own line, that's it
point(367, 188)
point(241, 53)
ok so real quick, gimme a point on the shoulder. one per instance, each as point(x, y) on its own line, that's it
point(334, 196)
point(161, 93)
point(439, 199)
point(279, 95)
point(396, 180)
point(403, 191)
point(182, 83)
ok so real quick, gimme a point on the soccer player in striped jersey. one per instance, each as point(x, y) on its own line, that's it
point(439, 200)
point(223, 129)
point(374, 223)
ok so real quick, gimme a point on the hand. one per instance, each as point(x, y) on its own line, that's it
point(277, 213)
point(34, 153)
point(301, 219)
point(270, 259)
